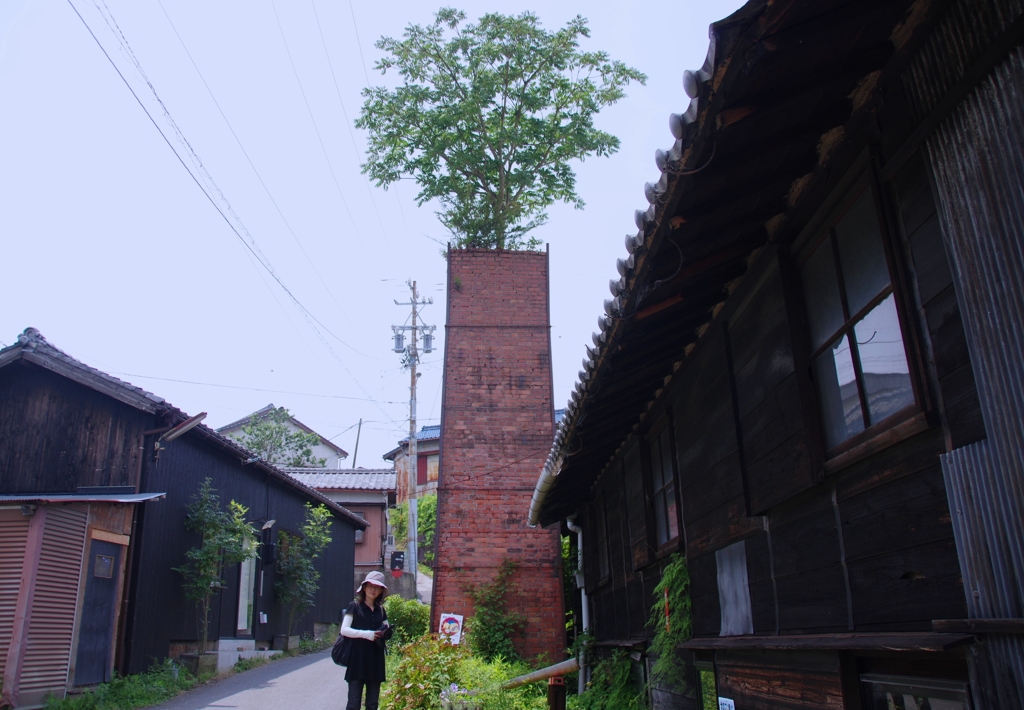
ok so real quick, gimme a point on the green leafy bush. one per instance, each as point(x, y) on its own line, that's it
point(161, 682)
point(493, 624)
point(410, 619)
point(422, 670)
point(674, 625)
point(487, 679)
point(611, 687)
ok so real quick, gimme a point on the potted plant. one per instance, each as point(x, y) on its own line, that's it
point(225, 539)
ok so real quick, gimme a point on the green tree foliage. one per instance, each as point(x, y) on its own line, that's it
point(408, 617)
point(426, 512)
point(488, 118)
point(297, 576)
point(270, 438)
point(673, 625)
point(227, 539)
point(491, 629)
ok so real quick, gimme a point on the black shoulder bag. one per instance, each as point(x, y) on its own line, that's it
point(342, 651)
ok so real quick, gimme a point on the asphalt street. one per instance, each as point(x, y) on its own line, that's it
point(311, 681)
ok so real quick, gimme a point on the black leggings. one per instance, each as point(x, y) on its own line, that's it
point(355, 694)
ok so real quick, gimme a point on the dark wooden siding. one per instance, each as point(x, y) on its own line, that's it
point(790, 681)
point(952, 362)
point(57, 435)
point(776, 453)
point(159, 612)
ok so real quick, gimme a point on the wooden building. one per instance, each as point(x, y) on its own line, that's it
point(365, 492)
point(92, 521)
point(428, 456)
point(808, 378)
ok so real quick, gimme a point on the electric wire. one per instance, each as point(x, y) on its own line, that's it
point(257, 172)
point(251, 389)
point(348, 123)
point(251, 243)
point(316, 128)
point(359, 44)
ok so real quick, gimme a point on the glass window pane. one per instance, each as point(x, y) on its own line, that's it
point(821, 291)
point(660, 518)
point(883, 361)
point(861, 256)
point(666, 458)
point(673, 517)
point(656, 467)
point(837, 392)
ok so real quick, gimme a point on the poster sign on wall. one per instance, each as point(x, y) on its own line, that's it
point(726, 704)
point(451, 628)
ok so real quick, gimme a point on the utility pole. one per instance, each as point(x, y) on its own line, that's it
point(356, 452)
point(410, 360)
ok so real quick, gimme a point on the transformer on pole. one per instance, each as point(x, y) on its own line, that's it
point(410, 360)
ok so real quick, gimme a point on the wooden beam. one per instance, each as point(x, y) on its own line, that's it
point(1014, 627)
point(896, 641)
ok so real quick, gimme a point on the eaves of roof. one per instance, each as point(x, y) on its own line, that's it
point(32, 347)
point(774, 114)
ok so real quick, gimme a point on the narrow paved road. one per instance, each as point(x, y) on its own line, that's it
point(312, 682)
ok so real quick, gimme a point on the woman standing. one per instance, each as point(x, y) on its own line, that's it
point(366, 623)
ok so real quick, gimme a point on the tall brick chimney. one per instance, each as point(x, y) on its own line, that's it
point(497, 424)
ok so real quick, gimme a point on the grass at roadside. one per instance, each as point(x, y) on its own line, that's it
point(424, 569)
point(161, 682)
point(166, 680)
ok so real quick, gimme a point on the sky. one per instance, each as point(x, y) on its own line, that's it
point(111, 249)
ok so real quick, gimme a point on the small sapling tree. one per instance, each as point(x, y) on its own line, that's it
point(226, 539)
point(297, 577)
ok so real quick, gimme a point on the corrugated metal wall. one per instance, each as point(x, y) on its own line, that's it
point(13, 533)
point(54, 605)
point(977, 160)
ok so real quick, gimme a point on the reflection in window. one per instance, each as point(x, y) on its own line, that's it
point(860, 363)
point(665, 514)
point(905, 693)
point(707, 687)
point(247, 590)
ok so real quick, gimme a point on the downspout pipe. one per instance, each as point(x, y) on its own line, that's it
point(571, 524)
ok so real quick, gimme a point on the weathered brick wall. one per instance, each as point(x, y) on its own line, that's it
point(497, 424)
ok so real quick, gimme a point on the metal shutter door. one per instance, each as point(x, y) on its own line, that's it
point(13, 533)
point(54, 607)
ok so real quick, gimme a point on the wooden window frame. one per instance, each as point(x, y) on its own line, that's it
point(670, 545)
point(914, 418)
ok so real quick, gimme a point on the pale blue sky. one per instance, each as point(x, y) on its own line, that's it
point(111, 250)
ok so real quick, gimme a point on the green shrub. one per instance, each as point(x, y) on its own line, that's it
point(422, 670)
point(410, 619)
point(487, 679)
point(493, 625)
point(247, 664)
point(611, 687)
point(161, 682)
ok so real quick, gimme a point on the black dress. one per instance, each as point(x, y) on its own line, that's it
point(367, 662)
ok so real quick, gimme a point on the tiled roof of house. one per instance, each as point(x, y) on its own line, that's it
point(34, 348)
point(360, 479)
point(265, 412)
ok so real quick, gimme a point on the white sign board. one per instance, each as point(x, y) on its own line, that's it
point(451, 628)
point(726, 704)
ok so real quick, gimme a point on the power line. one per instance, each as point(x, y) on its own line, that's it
point(251, 243)
point(348, 123)
point(251, 389)
point(257, 172)
point(316, 128)
point(359, 44)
